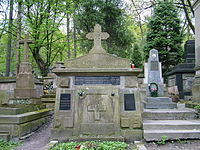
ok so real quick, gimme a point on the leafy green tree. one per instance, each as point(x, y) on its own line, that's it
point(113, 19)
point(43, 19)
point(9, 41)
point(164, 35)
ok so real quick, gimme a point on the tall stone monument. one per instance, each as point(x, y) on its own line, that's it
point(153, 72)
point(196, 87)
point(97, 96)
point(25, 84)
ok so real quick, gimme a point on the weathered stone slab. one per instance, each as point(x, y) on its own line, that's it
point(169, 114)
point(22, 118)
point(14, 110)
point(102, 100)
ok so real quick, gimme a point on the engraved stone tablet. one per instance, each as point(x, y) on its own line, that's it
point(154, 65)
point(81, 80)
point(65, 101)
point(129, 102)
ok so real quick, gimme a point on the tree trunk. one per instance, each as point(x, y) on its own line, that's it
point(19, 25)
point(9, 44)
point(74, 36)
point(68, 40)
point(40, 62)
point(187, 16)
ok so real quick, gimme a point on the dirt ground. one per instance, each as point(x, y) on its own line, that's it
point(42, 136)
point(37, 140)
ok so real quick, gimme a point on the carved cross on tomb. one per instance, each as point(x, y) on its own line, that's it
point(97, 36)
point(97, 109)
point(26, 43)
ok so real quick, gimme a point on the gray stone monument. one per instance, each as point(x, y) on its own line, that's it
point(196, 87)
point(153, 72)
point(97, 96)
point(153, 76)
point(25, 84)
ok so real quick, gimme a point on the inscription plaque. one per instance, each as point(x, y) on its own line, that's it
point(129, 102)
point(65, 101)
point(154, 65)
point(81, 80)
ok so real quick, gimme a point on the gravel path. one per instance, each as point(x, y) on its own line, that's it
point(39, 139)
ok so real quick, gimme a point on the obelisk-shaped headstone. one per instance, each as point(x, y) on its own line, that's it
point(25, 85)
point(153, 72)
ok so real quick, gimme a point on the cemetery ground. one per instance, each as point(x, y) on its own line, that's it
point(42, 137)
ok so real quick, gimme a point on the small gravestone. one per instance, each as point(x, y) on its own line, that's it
point(153, 73)
point(155, 88)
point(25, 84)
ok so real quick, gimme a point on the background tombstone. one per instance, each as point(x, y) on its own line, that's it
point(153, 72)
point(25, 84)
point(181, 76)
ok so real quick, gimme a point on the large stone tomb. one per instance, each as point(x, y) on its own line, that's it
point(97, 96)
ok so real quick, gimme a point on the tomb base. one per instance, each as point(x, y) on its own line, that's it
point(25, 93)
point(20, 120)
point(196, 90)
point(128, 135)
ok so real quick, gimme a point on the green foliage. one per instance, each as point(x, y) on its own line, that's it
point(43, 19)
point(113, 19)
point(164, 34)
point(197, 107)
point(8, 145)
point(163, 140)
point(180, 141)
point(93, 145)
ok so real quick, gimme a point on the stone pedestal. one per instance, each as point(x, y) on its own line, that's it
point(196, 87)
point(25, 87)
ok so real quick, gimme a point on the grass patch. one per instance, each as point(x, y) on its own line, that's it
point(8, 145)
point(93, 145)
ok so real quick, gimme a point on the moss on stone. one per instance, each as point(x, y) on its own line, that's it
point(7, 78)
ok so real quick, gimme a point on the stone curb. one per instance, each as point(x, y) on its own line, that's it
point(49, 145)
point(140, 145)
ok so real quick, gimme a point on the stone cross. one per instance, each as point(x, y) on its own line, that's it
point(97, 109)
point(97, 36)
point(26, 43)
